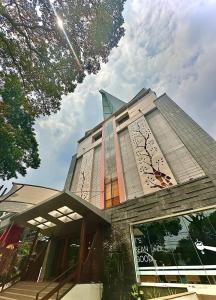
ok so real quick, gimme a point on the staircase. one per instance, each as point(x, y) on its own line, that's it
point(27, 290)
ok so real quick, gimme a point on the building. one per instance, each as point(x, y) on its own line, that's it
point(143, 182)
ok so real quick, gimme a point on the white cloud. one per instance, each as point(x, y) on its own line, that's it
point(169, 46)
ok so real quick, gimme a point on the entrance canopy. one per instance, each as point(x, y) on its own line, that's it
point(61, 215)
point(23, 196)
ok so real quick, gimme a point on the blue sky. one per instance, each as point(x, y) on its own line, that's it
point(169, 46)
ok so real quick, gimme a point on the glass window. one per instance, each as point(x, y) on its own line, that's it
point(111, 181)
point(180, 249)
point(111, 193)
point(122, 119)
point(97, 136)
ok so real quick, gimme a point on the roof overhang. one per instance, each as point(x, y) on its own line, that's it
point(24, 196)
point(75, 208)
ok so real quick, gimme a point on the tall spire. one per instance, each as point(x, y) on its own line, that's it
point(110, 104)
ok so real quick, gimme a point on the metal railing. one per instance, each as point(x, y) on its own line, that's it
point(57, 288)
point(8, 275)
point(8, 262)
point(9, 281)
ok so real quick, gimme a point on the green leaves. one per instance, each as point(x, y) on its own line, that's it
point(136, 292)
point(18, 146)
point(38, 65)
point(35, 49)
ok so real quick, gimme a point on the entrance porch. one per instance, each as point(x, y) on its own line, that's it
point(67, 248)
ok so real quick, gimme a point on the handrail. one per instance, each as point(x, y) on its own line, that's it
point(65, 292)
point(10, 280)
point(56, 289)
point(59, 276)
point(13, 280)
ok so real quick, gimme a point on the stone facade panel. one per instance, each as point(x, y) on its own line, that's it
point(84, 183)
point(154, 171)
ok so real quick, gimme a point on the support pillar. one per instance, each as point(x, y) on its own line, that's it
point(83, 250)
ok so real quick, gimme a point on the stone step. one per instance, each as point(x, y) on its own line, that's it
point(16, 296)
point(23, 298)
point(33, 292)
point(27, 290)
point(6, 298)
point(37, 284)
point(33, 288)
point(34, 284)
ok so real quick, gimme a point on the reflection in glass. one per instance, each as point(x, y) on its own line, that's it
point(180, 249)
point(111, 181)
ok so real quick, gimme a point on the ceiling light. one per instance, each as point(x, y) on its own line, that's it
point(64, 219)
point(40, 219)
point(55, 213)
point(75, 216)
point(32, 222)
point(50, 224)
point(65, 210)
point(42, 226)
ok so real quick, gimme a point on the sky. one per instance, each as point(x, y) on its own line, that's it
point(169, 46)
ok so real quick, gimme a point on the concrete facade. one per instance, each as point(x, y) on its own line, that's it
point(154, 162)
point(198, 142)
point(189, 161)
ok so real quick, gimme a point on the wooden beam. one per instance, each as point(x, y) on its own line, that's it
point(25, 270)
point(65, 254)
point(82, 250)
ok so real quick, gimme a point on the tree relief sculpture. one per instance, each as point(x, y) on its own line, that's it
point(153, 168)
point(84, 184)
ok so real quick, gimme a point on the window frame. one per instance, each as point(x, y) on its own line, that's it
point(136, 268)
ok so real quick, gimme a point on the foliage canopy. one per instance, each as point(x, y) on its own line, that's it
point(18, 147)
point(39, 61)
point(34, 47)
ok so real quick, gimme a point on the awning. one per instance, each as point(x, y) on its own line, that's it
point(23, 196)
point(61, 215)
